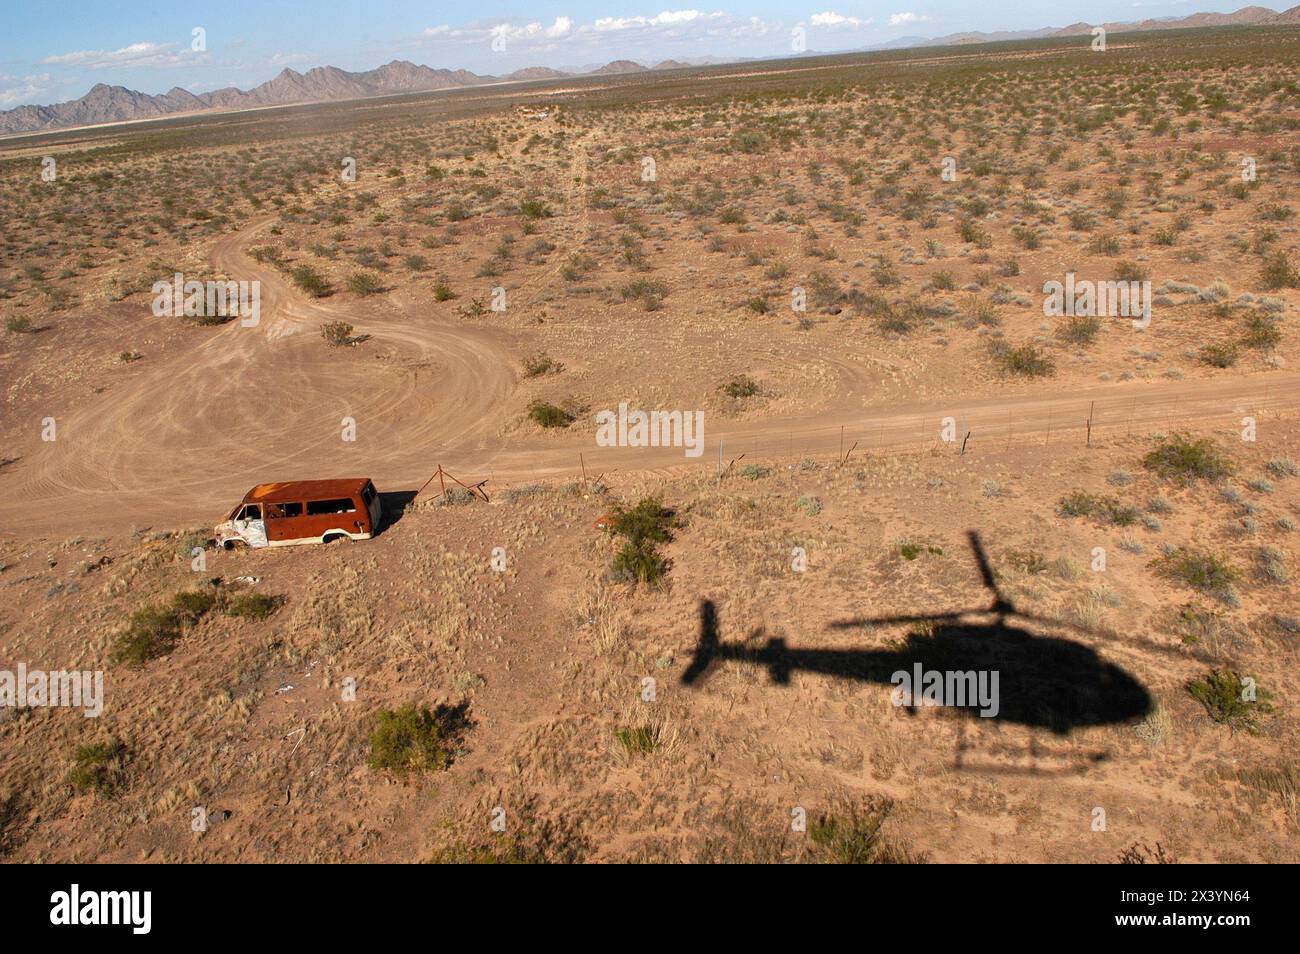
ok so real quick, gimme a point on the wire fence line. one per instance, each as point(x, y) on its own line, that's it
point(1090, 422)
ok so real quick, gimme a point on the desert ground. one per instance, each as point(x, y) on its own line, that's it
point(629, 653)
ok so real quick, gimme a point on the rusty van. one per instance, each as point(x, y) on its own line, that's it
point(302, 511)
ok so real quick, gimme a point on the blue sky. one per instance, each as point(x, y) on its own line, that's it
point(54, 52)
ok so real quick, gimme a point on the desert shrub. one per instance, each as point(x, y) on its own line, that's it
point(18, 324)
point(1025, 360)
point(253, 605)
point(1277, 272)
point(636, 740)
point(1262, 333)
point(1224, 695)
point(1272, 565)
point(336, 333)
point(549, 415)
point(1130, 272)
point(191, 604)
point(649, 293)
point(1104, 509)
point(442, 291)
point(536, 365)
point(533, 209)
point(153, 631)
point(1180, 458)
point(638, 563)
point(643, 527)
point(474, 308)
point(310, 281)
point(1104, 245)
point(1140, 853)
point(809, 505)
point(909, 549)
point(364, 283)
point(1079, 329)
point(649, 520)
point(1219, 355)
point(740, 386)
point(418, 739)
point(530, 841)
point(1282, 467)
point(984, 312)
point(1197, 568)
point(98, 767)
point(851, 833)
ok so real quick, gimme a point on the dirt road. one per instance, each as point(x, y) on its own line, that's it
point(186, 440)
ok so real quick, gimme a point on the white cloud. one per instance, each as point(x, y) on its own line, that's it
point(832, 19)
point(562, 27)
point(15, 91)
point(289, 59)
point(902, 19)
point(664, 19)
point(136, 55)
point(624, 36)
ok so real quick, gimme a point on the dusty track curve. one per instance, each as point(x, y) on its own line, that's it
point(183, 442)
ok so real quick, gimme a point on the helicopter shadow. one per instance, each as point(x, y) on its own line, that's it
point(1045, 682)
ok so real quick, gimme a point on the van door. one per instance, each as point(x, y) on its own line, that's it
point(250, 526)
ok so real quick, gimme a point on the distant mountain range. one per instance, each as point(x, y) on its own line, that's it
point(109, 104)
point(1246, 16)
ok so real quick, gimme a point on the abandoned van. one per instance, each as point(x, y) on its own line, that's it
point(302, 511)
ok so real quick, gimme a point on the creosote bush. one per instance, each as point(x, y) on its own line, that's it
point(642, 528)
point(1179, 457)
point(337, 333)
point(741, 386)
point(98, 767)
point(153, 631)
point(1230, 700)
point(418, 739)
point(1026, 360)
point(1199, 569)
point(310, 281)
point(549, 415)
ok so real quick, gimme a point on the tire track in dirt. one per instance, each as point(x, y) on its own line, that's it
point(182, 443)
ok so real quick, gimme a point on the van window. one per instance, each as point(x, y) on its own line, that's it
point(342, 505)
point(277, 510)
point(251, 512)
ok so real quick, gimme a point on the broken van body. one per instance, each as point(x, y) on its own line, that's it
point(302, 511)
